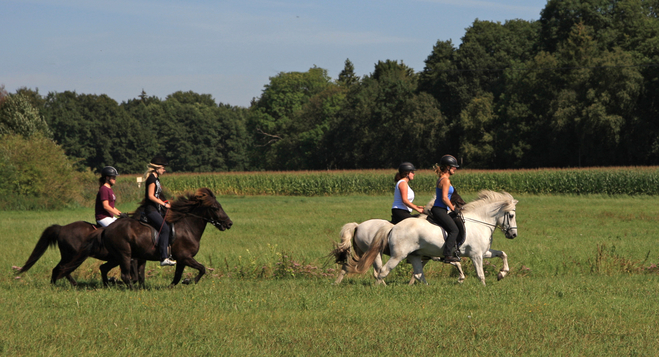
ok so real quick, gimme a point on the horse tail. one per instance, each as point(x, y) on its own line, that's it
point(91, 245)
point(342, 250)
point(48, 238)
point(379, 243)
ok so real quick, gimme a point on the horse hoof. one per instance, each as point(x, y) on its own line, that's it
point(186, 281)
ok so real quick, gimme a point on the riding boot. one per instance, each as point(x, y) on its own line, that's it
point(450, 254)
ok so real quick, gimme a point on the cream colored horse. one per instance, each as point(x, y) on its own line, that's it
point(415, 239)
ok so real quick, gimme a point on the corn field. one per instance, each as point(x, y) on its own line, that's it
point(608, 181)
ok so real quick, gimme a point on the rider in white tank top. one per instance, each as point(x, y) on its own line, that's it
point(398, 199)
point(403, 195)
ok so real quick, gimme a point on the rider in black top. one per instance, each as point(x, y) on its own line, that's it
point(155, 208)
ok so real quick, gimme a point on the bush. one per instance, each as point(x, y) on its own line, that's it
point(36, 174)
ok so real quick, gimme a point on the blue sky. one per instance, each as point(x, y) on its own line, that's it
point(228, 49)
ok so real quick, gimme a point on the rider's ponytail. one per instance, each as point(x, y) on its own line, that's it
point(151, 168)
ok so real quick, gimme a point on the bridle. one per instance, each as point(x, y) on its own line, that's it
point(212, 221)
point(505, 227)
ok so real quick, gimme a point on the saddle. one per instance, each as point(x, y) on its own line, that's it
point(94, 225)
point(459, 221)
point(154, 232)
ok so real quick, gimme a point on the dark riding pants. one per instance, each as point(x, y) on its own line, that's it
point(157, 221)
point(444, 220)
point(398, 215)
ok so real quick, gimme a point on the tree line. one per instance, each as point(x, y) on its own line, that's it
point(578, 87)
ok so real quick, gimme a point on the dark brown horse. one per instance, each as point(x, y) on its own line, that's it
point(128, 237)
point(69, 239)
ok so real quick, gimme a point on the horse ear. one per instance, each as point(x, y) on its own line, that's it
point(515, 202)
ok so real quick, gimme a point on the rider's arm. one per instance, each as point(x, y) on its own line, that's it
point(402, 186)
point(445, 186)
point(112, 211)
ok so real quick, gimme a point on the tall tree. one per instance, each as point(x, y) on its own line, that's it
point(272, 120)
point(385, 122)
point(347, 77)
point(18, 116)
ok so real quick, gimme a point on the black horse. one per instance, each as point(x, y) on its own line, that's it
point(129, 238)
point(70, 240)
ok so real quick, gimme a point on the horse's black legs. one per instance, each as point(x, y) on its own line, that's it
point(124, 265)
point(105, 269)
point(182, 263)
point(178, 273)
point(141, 264)
point(134, 271)
point(56, 271)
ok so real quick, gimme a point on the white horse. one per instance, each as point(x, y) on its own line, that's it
point(356, 239)
point(415, 239)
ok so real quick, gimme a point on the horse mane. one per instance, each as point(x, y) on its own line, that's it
point(487, 197)
point(186, 203)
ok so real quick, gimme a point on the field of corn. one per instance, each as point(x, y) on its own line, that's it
point(607, 181)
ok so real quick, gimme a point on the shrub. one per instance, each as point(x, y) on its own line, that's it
point(36, 174)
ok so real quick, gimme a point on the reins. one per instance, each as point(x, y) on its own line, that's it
point(208, 220)
point(503, 227)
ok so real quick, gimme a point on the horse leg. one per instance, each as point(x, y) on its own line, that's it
point(478, 265)
point(178, 273)
point(56, 271)
point(124, 265)
point(342, 273)
point(141, 264)
point(134, 273)
point(191, 262)
point(386, 269)
point(377, 266)
point(413, 279)
point(461, 278)
point(504, 258)
point(105, 269)
point(417, 265)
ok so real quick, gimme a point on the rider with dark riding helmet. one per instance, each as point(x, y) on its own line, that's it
point(440, 210)
point(154, 206)
point(403, 194)
point(104, 209)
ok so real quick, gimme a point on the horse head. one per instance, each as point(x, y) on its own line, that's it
point(497, 205)
point(202, 204)
point(507, 217)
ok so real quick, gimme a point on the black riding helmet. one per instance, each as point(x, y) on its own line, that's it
point(406, 167)
point(109, 171)
point(448, 160)
point(159, 160)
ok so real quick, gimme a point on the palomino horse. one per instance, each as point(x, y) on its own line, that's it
point(415, 238)
point(128, 237)
point(358, 238)
point(69, 239)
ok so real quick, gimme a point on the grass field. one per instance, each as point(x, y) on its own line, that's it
point(583, 282)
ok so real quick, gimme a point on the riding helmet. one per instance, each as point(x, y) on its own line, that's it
point(109, 171)
point(406, 167)
point(159, 160)
point(448, 160)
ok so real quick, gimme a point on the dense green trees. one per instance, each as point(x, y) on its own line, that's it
point(578, 87)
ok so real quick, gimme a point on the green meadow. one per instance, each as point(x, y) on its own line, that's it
point(583, 282)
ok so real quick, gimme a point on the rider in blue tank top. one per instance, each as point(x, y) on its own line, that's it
point(438, 193)
point(444, 190)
